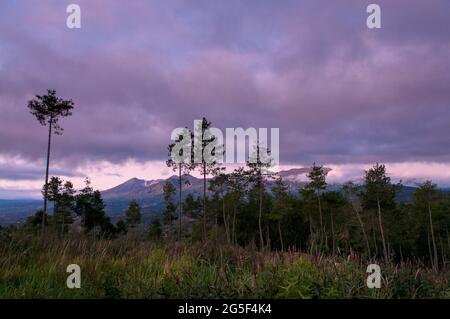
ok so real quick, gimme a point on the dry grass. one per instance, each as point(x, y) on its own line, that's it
point(35, 267)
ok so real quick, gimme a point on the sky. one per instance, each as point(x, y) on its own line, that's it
point(342, 95)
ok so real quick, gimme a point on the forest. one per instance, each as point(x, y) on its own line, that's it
point(248, 235)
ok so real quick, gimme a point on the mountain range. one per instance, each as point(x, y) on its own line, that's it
point(149, 195)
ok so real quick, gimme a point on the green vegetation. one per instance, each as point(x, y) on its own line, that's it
point(133, 213)
point(248, 237)
point(35, 267)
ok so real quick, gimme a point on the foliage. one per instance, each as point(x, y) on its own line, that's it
point(49, 108)
point(170, 207)
point(133, 213)
point(35, 267)
point(90, 207)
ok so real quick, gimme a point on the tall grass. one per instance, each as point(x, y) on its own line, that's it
point(35, 267)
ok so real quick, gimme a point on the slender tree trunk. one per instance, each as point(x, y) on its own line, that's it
point(268, 237)
point(83, 218)
point(261, 240)
point(385, 252)
point(388, 245)
point(375, 241)
point(63, 224)
point(217, 218)
point(320, 218)
point(311, 236)
point(443, 257)
point(401, 254)
point(448, 240)
point(46, 171)
point(234, 224)
point(429, 249)
point(333, 235)
point(435, 254)
point(358, 216)
point(225, 221)
point(281, 235)
point(204, 201)
point(180, 204)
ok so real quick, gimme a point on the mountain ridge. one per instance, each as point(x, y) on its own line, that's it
point(149, 195)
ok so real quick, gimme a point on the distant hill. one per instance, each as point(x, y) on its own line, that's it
point(17, 210)
point(149, 194)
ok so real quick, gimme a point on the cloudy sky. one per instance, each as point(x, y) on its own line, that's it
point(342, 95)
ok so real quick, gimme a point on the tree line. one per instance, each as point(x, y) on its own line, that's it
point(250, 207)
point(365, 220)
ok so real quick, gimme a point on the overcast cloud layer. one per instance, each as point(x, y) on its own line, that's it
point(339, 93)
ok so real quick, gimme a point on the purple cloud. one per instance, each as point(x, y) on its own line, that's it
point(339, 93)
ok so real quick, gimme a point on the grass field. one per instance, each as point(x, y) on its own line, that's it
point(35, 267)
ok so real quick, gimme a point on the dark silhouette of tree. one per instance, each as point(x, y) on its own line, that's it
point(335, 203)
point(308, 203)
point(192, 206)
point(90, 206)
point(258, 163)
point(426, 197)
point(35, 221)
point(133, 213)
point(205, 149)
point(170, 208)
point(65, 208)
point(281, 205)
point(317, 177)
point(379, 194)
point(219, 186)
point(155, 229)
point(52, 191)
point(121, 227)
point(237, 184)
point(62, 196)
point(350, 191)
point(183, 147)
point(48, 109)
point(82, 201)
